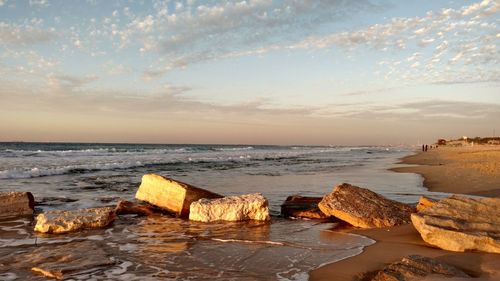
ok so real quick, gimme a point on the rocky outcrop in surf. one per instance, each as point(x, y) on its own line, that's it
point(231, 208)
point(171, 195)
point(16, 203)
point(69, 221)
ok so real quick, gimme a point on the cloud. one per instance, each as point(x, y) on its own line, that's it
point(23, 35)
point(424, 111)
point(194, 34)
point(215, 32)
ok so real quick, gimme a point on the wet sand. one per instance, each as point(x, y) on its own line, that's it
point(464, 170)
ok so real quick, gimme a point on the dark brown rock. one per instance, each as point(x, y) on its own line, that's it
point(302, 207)
point(16, 203)
point(364, 208)
point(415, 266)
point(126, 207)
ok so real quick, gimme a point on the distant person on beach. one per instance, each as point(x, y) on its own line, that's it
point(423, 147)
point(426, 147)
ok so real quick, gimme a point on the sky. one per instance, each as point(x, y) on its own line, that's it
point(249, 72)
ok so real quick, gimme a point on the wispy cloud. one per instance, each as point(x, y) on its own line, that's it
point(19, 35)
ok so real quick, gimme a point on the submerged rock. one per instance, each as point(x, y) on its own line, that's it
point(126, 207)
point(364, 208)
point(415, 266)
point(171, 195)
point(302, 207)
point(231, 208)
point(424, 202)
point(74, 220)
point(16, 203)
point(60, 260)
point(460, 224)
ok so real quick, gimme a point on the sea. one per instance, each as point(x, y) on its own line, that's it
point(67, 176)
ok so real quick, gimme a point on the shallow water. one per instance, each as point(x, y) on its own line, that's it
point(69, 176)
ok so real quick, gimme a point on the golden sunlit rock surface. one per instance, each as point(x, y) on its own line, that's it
point(170, 195)
point(461, 224)
point(232, 208)
point(69, 221)
point(364, 208)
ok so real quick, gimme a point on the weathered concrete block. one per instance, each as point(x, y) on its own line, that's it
point(75, 220)
point(16, 203)
point(171, 195)
point(231, 208)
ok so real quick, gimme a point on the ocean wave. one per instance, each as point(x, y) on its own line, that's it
point(36, 172)
point(233, 148)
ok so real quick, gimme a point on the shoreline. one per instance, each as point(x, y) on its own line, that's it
point(461, 170)
point(471, 170)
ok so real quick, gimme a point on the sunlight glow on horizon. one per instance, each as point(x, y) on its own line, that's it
point(248, 72)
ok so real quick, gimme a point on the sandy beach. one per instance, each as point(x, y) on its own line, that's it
point(471, 170)
point(464, 170)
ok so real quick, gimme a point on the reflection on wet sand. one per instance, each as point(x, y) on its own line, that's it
point(162, 247)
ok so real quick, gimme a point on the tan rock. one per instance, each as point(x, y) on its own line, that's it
point(297, 206)
point(16, 203)
point(460, 224)
point(416, 267)
point(171, 195)
point(424, 202)
point(126, 207)
point(231, 208)
point(364, 208)
point(75, 220)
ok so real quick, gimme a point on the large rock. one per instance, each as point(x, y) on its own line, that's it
point(416, 267)
point(459, 224)
point(171, 195)
point(297, 206)
point(16, 203)
point(231, 208)
point(75, 220)
point(364, 208)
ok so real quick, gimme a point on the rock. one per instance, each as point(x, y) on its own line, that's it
point(424, 202)
point(459, 224)
point(60, 260)
point(171, 195)
point(364, 208)
point(302, 207)
point(415, 266)
point(126, 207)
point(16, 203)
point(231, 208)
point(75, 220)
